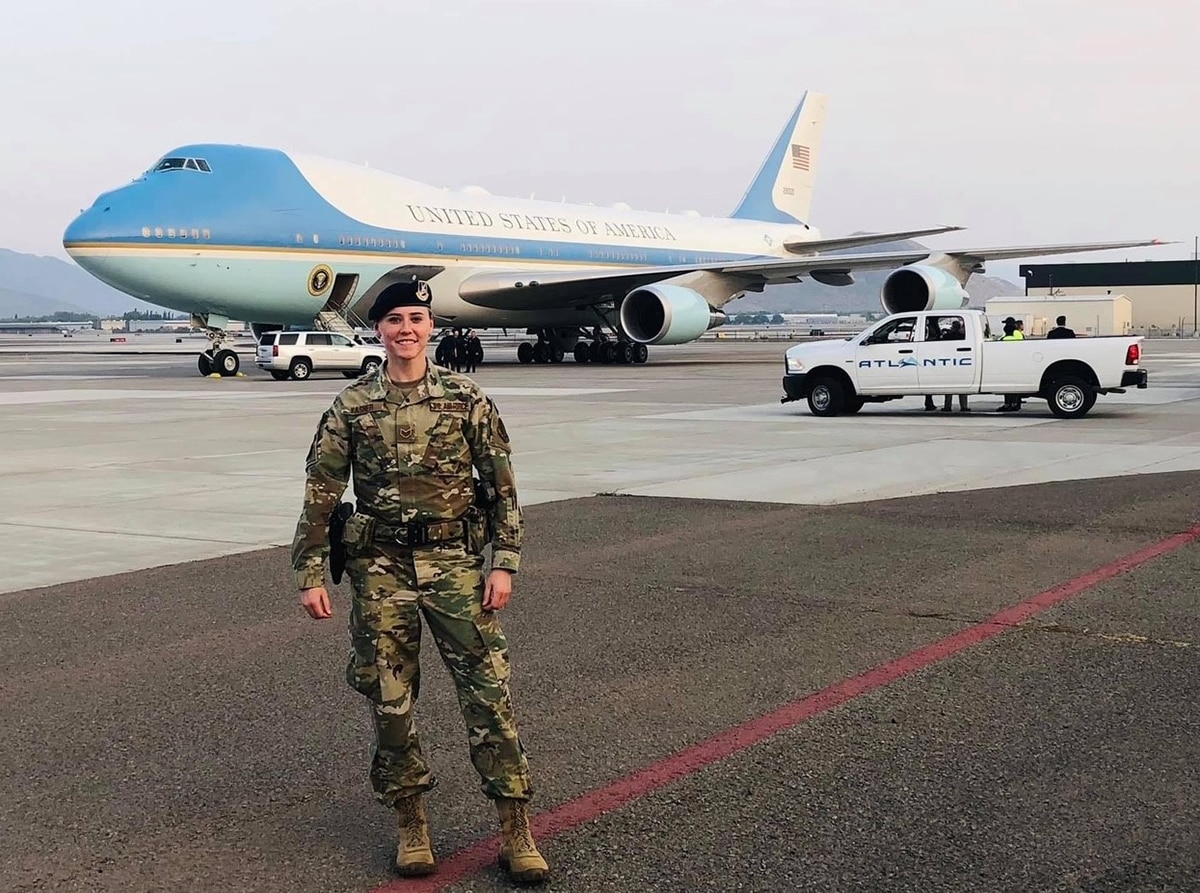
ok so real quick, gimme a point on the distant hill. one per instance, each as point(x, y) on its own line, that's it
point(863, 295)
point(33, 285)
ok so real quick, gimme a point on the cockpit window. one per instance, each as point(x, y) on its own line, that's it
point(180, 164)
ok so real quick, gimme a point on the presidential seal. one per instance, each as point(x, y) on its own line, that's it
point(319, 279)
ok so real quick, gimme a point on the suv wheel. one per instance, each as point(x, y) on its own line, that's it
point(300, 369)
point(371, 365)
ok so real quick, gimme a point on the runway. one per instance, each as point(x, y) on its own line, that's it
point(699, 558)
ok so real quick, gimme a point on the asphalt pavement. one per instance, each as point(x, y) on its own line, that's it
point(186, 728)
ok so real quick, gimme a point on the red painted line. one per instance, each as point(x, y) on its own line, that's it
point(690, 760)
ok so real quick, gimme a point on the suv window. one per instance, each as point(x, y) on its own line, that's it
point(341, 341)
point(316, 339)
point(289, 337)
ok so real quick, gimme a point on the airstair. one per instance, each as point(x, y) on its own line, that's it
point(332, 321)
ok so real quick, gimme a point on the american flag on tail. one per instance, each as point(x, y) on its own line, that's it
point(801, 157)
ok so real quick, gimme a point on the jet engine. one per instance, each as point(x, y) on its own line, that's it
point(667, 314)
point(921, 287)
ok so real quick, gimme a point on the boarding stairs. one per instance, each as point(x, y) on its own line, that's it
point(333, 321)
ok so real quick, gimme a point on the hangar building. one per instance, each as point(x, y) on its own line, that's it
point(1087, 314)
point(1163, 292)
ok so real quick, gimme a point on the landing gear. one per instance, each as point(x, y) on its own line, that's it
point(553, 345)
point(605, 351)
point(548, 348)
point(219, 359)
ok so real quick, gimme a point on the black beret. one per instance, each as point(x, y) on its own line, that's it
point(400, 294)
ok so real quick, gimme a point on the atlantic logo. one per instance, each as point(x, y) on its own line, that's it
point(912, 361)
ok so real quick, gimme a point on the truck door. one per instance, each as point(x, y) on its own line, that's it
point(948, 355)
point(886, 358)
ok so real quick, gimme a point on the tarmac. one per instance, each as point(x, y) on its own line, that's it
point(753, 649)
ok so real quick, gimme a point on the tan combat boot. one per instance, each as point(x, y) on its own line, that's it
point(519, 855)
point(414, 853)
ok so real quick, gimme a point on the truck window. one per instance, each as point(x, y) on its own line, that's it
point(895, 332)
point(946, 328)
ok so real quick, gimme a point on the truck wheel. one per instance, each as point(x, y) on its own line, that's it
point(300, 370)
point(1071, 398)
point(853, 405)
point(826, 397)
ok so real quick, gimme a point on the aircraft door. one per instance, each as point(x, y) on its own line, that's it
point(948, 361)
point(886, 357)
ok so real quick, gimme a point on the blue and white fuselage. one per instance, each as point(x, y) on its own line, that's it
point(238, 231)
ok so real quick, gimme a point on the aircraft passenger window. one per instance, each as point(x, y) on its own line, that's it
point(145, 232)
point(158, 232)
point(170, 232)
point(208, 234)
point(316, 339)
point(203, 165)
point(195, 233)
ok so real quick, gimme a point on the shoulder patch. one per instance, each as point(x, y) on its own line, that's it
point(500, 429)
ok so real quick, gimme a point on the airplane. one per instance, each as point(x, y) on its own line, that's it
point(278, 239)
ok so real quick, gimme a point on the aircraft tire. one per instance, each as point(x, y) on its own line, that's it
point(204, 364)
point(525, 352)
point(596, 352)
point(226, 362)
point(556, 354)
point(540, 352)
point(583, 352)
point(641, 353)
point(623, 353)
point(610, 352)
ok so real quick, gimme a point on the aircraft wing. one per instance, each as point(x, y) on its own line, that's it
point(582, 287)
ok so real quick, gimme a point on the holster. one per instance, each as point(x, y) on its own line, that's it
point(337, 540)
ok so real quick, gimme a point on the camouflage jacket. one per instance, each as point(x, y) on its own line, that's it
point(411, 461)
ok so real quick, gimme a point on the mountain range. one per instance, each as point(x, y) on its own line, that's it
point(34, 285)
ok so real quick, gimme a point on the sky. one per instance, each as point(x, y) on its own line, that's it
point(1027, 122)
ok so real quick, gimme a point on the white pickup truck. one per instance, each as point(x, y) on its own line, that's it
point(950, 352)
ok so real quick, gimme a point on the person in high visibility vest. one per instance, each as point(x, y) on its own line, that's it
point(1013, 331)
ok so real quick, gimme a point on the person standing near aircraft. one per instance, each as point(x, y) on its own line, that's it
point(474, 351)
point(1060, 329)
point(411, 435)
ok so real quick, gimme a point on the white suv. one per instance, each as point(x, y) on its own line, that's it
point(297, 355)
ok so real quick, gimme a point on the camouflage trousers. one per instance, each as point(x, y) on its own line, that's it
point(393, 587)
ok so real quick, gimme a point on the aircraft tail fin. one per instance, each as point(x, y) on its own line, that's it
point(783, 188)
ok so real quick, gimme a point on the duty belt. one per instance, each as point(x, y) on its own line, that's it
point(417, 533)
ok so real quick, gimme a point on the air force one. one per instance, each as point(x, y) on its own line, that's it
point(279, 239)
